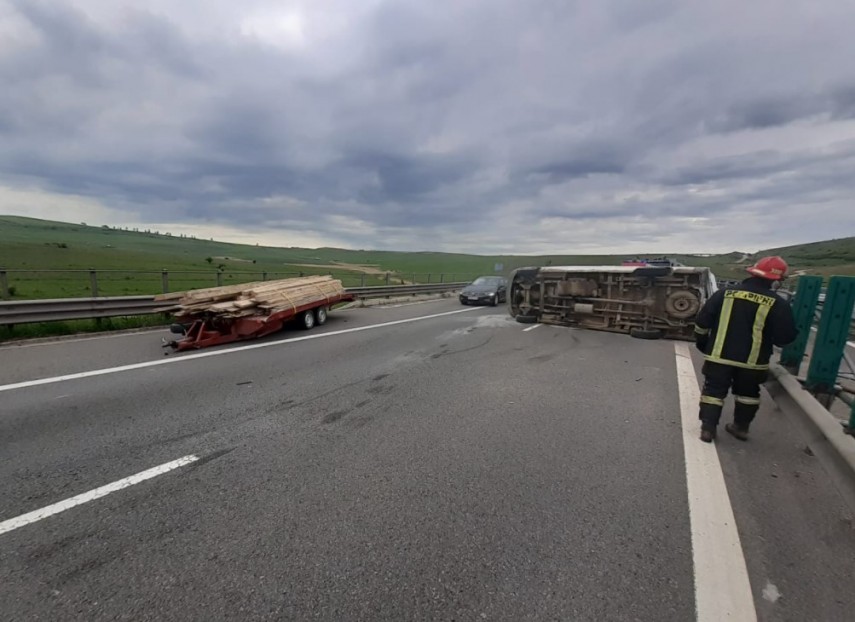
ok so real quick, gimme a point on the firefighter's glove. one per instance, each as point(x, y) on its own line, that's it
point(701, 343)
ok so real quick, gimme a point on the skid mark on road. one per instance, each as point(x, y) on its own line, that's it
point(722, 588)
point(439, 355)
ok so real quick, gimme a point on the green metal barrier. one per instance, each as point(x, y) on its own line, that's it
point(804, 306)
point(832, 335)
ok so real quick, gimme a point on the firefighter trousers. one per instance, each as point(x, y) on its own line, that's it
point(719, 379)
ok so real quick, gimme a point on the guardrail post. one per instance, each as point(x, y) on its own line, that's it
point(442, 278)
point(428, 278)
point(93, 281)
point(4, 286)
point(387, 279)
point(219, 278)
point(362, 280)
point(804, 306)
point(164, 280)
point(263, 276)
point(832, 335)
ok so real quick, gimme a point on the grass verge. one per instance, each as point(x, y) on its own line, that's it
point(77, 327)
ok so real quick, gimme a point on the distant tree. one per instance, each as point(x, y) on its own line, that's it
point(209, 259)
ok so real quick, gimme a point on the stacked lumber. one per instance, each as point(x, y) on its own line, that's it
point(261, 298)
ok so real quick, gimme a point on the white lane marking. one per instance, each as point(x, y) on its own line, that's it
point(525, 330)
point(722, 588)
point(103, 491)
point(200, 355)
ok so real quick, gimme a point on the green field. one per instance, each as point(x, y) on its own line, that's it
point(35, 252)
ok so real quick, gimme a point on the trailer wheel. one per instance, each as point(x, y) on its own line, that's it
point(645, 333)
point(308, 322)
point(321, 316)
point(526, 319)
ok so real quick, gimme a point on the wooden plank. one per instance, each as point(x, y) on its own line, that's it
point(247, 299)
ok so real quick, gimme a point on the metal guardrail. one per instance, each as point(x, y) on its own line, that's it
point(382, 291)
point(109, 282)
point(833, 318)
point(61, 309)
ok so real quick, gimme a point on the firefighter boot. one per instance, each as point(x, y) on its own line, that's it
point(743, 415)
point(709, 415)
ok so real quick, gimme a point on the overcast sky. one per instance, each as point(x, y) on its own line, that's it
point(529, 126)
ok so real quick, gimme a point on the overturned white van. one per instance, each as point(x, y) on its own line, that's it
point(647, 302)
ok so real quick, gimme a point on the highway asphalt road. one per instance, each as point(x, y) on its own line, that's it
point(424, 462)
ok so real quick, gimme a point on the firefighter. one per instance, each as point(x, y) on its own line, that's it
point(736, 330)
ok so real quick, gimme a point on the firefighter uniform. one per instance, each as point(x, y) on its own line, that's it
point(736, 330)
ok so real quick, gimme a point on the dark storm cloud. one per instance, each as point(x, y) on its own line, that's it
point(768, 111)
point(389, 122)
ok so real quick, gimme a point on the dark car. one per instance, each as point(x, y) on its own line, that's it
point(489, 290)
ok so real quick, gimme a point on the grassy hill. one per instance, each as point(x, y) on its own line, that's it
point(35, 252)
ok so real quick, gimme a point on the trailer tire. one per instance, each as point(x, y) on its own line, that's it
point(321, 316)
point(526, 319)
point(307, 320)
point(646, 333)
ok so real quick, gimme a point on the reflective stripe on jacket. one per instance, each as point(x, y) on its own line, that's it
point(741, 324)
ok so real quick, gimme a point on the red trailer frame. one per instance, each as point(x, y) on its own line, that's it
point(214, 330)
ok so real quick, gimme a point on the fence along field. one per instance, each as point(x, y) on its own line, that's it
point(45, 259)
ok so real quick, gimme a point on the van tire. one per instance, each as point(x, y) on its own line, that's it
point(646, 333)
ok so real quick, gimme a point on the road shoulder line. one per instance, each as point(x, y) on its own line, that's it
point(722, 587)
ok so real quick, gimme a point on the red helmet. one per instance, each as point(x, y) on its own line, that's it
point(771, 268)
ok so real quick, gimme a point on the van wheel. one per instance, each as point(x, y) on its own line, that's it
point(646, 333)
point(682, 305)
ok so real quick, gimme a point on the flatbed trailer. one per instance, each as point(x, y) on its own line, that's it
point(210, 329)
